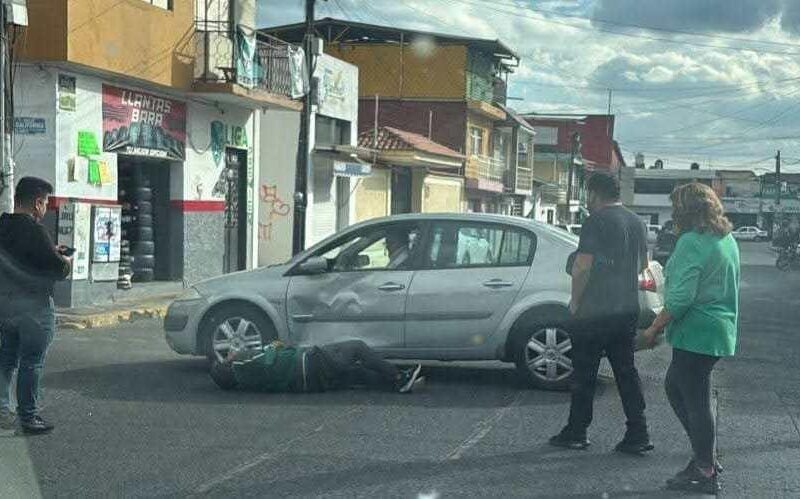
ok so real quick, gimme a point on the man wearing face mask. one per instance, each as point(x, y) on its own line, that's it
point(29, 266)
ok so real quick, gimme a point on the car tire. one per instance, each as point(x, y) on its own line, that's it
point(143, 208)
point(143, 275)
point(141, 234)
point(547, 363)
point(257, 326)
point(143, 262)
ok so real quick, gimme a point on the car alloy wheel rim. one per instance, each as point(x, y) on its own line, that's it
point(235, 333)
point(548, 354)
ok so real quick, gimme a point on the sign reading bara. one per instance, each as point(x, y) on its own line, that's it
point(26, 125)
point(141, 124)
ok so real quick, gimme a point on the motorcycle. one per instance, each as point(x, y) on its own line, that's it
point(788, 258)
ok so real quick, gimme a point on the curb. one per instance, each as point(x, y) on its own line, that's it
point(69, 321)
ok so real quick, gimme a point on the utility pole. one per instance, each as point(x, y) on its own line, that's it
point(303, 146)
point(6, 173)
point(573, 150)
point(778, 218)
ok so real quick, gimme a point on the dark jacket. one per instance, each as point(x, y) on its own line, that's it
point(29, 261)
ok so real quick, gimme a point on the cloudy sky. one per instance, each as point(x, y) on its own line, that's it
point(712, 81)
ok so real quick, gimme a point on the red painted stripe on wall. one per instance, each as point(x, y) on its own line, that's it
point(187, 205)
point(55, 201)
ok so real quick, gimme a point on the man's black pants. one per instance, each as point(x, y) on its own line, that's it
point(353, 361)
point(615, 337)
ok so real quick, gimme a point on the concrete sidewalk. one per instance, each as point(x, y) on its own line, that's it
point(129, 310)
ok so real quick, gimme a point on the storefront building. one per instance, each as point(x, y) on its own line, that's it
point(153, 160)
point(334, 166)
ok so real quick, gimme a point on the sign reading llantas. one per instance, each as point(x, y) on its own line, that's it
point(142, 124)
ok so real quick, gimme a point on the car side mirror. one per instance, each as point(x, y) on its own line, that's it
point(313, 266)
point(570, 262)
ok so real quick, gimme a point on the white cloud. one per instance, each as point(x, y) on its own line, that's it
point(659, 87)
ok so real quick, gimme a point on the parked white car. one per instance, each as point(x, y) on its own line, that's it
point(750, 234)
point(652, 233)
point(574, 229)
point(414, 287)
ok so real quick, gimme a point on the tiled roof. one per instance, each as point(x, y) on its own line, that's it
point(394, 139)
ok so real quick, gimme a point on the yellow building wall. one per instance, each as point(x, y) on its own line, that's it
point(442, 195)
point(394, 71)
point(130, 37)
point(373, 195)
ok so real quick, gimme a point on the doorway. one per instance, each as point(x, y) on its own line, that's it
point(401, 190)
point(235, 257)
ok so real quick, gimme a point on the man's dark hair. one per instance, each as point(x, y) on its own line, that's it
point(29, 189)
point(605, 185)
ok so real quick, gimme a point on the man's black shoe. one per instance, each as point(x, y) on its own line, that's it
point(35, 426)
point(567, 441)
point(637, 446)
point(693, 480)
point(690, 469)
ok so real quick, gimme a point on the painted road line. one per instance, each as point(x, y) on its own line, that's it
point(483, 429)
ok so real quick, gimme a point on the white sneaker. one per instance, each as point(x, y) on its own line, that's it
point(8, 420)
point(410, 379)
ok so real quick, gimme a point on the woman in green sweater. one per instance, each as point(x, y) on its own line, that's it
point(700, 318)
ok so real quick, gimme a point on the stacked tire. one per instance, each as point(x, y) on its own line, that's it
point(142, 244)
point(137, 223)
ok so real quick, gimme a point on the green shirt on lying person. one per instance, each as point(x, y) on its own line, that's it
point(702, 294)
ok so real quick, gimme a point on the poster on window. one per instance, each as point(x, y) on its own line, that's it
point(107, 230)
point(141, 124)
point(74, 229)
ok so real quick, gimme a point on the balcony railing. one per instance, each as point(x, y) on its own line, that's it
point(266, 63)
point(486, 168)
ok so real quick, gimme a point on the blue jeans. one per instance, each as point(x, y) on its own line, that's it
point(27, 326)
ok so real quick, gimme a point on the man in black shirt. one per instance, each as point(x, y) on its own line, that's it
point(29, 265)
point(605, 306)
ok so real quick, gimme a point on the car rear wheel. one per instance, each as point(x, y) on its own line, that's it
point(544, 358)
point(236, 327)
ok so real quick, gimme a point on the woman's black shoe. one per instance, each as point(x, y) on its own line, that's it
point(636, 447)
point(693, 480)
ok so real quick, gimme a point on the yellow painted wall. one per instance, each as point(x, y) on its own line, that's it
point(373, 195)
point(392, 71)
point(129, 37)
point(442, 195)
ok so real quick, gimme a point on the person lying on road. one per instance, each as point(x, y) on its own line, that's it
point(277, 367)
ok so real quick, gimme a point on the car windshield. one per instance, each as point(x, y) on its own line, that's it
point(329, 248)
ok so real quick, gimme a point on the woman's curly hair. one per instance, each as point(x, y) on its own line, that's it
point(697, 207)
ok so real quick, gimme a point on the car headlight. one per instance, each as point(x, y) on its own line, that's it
point(189, 295)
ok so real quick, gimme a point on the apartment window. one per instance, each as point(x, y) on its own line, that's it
point(163, 4)
point(475, 141)
point(331, 132)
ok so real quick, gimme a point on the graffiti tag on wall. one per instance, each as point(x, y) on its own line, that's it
point(276, 208)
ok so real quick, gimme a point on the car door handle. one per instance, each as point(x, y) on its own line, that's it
point(392, 286)
point(303, 317)
point(498, 283)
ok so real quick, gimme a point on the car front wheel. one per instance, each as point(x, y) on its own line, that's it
point(236, 327)
point(544, 358)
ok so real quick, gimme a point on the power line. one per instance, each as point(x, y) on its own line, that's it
point(654, 28)
point(618, 33)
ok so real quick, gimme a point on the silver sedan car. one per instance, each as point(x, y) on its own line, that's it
point(415, 287)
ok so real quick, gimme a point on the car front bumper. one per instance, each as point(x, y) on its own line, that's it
point(181, 325)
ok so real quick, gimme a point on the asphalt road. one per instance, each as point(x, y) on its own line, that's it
point(136, 420)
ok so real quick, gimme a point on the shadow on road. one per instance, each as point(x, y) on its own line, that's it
point(188, 381)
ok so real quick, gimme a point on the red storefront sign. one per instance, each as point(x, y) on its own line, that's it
point(141, 124)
